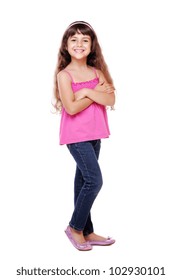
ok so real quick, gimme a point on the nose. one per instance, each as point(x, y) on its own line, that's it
point(79, 43)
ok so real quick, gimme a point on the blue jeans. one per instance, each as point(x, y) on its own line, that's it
point(87, 183)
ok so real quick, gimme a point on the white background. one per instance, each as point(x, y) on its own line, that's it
point(140, 202)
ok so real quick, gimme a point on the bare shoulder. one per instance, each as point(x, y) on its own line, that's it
point(63, 76)
point(100, 75)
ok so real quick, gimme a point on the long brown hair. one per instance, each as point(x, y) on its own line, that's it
point(94, 59)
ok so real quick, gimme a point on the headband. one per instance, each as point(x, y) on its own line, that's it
point(80, 22)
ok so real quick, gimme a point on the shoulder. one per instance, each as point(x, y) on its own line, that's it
point(100, 75)
point(63, 75)
point(63, 80)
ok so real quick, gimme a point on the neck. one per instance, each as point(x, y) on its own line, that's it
point(79, 63)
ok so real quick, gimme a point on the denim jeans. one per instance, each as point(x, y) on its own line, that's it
point(87, 183)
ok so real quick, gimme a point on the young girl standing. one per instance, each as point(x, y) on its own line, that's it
point(83, 89)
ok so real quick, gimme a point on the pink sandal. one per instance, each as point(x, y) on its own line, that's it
point(108, 241)
point(86, 246)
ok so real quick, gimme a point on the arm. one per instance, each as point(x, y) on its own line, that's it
point(102, 94)
point(70, 104)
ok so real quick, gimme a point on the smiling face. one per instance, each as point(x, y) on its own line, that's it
point(79, 46)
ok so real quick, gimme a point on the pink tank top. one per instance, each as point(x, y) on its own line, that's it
point(89, 124)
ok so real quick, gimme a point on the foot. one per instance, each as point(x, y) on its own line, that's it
point(77, 239)
point(77, 235)
point(95, 239)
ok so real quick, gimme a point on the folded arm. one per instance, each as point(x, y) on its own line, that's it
point(70, 103)
point(102, 94)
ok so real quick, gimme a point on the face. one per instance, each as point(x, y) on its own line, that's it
point(79, 46)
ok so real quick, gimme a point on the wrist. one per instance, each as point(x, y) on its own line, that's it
point(88, 92)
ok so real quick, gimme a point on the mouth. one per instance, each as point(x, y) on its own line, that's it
point(79, 50)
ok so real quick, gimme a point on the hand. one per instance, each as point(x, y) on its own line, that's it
point(105, 87)
point(80, 94)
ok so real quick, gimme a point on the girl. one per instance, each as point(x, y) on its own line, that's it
point(83, 89)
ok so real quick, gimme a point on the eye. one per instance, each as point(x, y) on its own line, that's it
point(85, 40)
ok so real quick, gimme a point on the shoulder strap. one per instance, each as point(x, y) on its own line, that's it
point(68, 74)
point(95, 72)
